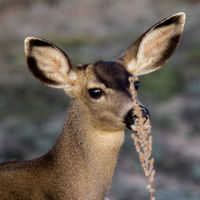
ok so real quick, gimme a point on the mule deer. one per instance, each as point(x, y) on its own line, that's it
point(81, 163)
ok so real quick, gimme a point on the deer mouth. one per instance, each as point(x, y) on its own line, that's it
point(130, 118)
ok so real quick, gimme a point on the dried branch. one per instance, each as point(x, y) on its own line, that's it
point(143, 140)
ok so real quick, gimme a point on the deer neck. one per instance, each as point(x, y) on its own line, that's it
point(86, 156)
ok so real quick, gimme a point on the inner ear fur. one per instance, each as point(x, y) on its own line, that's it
point(48, 63)
point(154, 47)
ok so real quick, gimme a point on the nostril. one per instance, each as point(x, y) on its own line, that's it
point(145, 112)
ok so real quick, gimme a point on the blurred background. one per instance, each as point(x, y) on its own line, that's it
point(32, 115)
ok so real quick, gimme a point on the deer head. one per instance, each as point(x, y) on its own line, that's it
point(103, 87)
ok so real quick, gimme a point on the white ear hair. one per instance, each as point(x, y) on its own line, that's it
point(154, 47)
point(49, 63)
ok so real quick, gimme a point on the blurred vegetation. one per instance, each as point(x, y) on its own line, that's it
point(162, 84)
point(32, 115)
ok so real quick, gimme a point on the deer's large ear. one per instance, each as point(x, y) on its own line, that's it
point(49, 64)
point(154, 47)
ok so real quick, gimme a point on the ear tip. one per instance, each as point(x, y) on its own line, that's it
point(181, 14)
point(27, 43)
point(181, 17)
point(29, 39)
point(30, 42)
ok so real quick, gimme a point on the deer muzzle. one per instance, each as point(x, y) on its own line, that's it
point(130, 118)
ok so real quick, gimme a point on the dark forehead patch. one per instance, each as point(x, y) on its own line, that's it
point(112, 74)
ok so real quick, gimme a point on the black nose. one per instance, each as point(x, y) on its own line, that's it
point(145, 112)
point(130, 118)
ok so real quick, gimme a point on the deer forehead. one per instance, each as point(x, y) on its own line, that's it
point(110, 74)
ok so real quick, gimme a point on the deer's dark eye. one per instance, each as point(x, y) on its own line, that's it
point(95, 93)
point(136, 84)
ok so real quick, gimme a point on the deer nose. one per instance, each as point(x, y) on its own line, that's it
point(145, 112)
point(130, 118)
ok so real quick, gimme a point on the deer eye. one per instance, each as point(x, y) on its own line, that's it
point(136, 84)
point(95, 93)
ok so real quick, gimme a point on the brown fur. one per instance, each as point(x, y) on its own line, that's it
point(81, 163)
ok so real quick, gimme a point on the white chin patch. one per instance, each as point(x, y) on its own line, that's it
point(133, 127)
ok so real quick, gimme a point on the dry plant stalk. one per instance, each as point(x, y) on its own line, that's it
point(143, 140)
